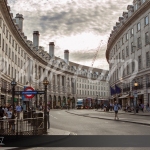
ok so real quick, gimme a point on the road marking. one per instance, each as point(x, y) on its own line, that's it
point(59, 113)
point(55, 117)
point(106, 122)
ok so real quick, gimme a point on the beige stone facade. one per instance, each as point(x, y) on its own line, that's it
point(128, 54)
point(29, 64)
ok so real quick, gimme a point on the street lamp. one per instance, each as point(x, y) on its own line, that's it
point(45, 83)
point(135, 96)
point(13, 84)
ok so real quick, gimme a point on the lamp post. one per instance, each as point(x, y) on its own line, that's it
point(135, 96)
point(45, 83)
point(13, 84)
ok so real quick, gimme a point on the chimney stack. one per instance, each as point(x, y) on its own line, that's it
point(19, 21)
point(51, 49)
point(66, 56)
point(36, 39)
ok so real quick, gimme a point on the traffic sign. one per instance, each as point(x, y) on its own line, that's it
point(29, 92)
point(40, 92)
point(18, 92)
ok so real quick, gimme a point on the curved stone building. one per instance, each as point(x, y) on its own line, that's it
point(128, 54)
point(29, 64)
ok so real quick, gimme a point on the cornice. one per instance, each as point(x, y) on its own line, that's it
point(128, 22)
point(8, 19)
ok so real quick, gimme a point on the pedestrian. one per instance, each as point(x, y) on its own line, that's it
point(116, 107)
point(1, 117)
point(147, 106)
point(142, 107)
point(48, 120)
point(18, 110)
point(9, 116)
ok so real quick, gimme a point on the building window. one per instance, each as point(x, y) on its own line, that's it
point(123, 54)
point(127, 51)
point(143, 1)
point(19, 62)
point(127, 37)
point(6, 50)
point(136, 6)
point(118, 44)
point(19, 50)
point(9, 70)
point(146, 38)
point(6, 33)
point(127, 69)
point(119, 57)
point(131, 32)
point(132, 48)
point(9, 38)
point(133, 66)
point(12, 56)
point(139, 44)
point(16, 47)
point(15, 59)
point(139, 62)
point(146, 20)
point(122, 41)
point(15, 73)
point(13, 43)
point(147, 60)
point(3, 45)
point(9, 52)
point(0, 40)
point(3, 28)
point(138, 26)
point(12, 74)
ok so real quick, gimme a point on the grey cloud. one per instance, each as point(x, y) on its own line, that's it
point(73, 18)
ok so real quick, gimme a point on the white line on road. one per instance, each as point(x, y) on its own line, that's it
point(55, 117)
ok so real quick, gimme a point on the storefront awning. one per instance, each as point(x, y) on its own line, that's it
point(124, 96)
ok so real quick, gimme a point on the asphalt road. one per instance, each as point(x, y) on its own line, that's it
point(80, 125)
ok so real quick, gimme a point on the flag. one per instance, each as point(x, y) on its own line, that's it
point(117, 89)
point(112, 91)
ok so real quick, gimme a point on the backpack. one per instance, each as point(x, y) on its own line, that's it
point(116, 107)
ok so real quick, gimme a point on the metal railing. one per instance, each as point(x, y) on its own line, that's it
point(28, 126)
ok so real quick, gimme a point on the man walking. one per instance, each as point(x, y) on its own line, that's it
point(18, 110)
point(116, 110)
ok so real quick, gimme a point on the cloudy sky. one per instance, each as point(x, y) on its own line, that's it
point(76, 25)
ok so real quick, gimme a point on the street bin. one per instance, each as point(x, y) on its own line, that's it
point(137, 110)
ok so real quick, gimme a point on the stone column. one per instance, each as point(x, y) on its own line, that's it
point(145, 92)
point(56, 83)
point(60, 83)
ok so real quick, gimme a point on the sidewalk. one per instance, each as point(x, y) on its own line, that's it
point(140, 113)
point(123, 117)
